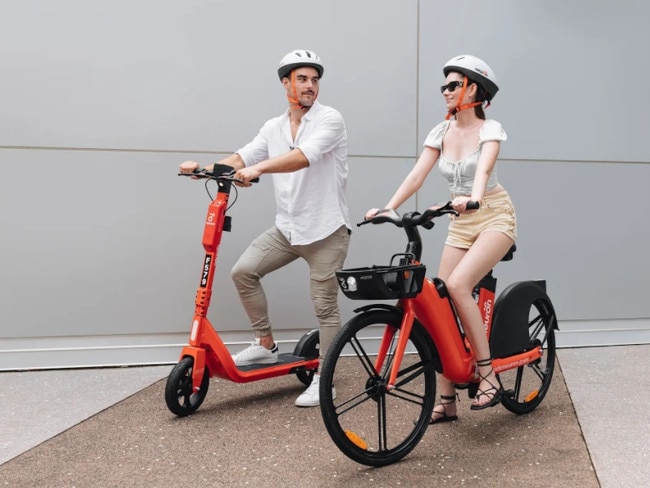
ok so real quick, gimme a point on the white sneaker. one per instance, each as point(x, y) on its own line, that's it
point(256, 354)
point(310, 397)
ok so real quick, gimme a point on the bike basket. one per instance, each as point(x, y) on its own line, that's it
point(382, 282)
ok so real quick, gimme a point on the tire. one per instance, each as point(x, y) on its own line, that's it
point(308, 347)
point(525, 387)
point(368, 423)
point(180, 398)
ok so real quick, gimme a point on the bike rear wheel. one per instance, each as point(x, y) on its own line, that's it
point(370, 423)
point(526, 386)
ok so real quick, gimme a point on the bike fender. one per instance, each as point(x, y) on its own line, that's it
point(399, 312)
point(510, 334)
point(379, 306)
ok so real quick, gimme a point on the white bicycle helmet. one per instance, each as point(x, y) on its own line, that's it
point(476, 70)
point(298, 58)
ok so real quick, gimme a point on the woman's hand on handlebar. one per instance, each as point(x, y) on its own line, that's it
point(464, 204)
point(385, 214)
point(371, 213)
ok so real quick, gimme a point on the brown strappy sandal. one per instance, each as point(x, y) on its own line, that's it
point(494, 393)
point(450, 399)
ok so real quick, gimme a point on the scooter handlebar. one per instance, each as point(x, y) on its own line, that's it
point(218, 172)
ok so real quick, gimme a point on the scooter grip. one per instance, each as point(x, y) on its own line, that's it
point(472, 205)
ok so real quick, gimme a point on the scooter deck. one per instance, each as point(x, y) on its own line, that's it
point(283, 358)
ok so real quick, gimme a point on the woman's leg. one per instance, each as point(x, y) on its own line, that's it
point(446, 409)
point(485, 253)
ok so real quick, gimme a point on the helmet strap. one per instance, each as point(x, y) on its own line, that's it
point(293, 95)
point(460, 107)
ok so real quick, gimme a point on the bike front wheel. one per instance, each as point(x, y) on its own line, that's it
point(370, 422)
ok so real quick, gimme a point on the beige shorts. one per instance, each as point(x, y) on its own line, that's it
point(497, 213)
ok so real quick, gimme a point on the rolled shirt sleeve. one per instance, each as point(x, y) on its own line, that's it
point(329, 134)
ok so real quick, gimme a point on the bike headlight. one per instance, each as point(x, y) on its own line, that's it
point(352, 283)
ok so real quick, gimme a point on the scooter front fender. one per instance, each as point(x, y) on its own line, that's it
point(198, 365)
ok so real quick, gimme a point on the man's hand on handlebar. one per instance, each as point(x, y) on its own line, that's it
point(246, 175)
point(189, 167)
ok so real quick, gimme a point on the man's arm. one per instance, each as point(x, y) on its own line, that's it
point(289, 162)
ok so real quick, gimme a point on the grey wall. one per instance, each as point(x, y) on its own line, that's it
point(101, 252)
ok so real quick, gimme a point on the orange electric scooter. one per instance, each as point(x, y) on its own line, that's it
point(206, 356)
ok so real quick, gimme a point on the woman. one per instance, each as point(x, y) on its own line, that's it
point(467, 146)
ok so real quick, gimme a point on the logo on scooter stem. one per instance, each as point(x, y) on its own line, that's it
point(206, 270)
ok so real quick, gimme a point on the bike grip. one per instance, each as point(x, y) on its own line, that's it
point(472, 205)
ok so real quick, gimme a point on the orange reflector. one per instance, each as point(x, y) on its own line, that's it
point(531, 396)
point(356, 440)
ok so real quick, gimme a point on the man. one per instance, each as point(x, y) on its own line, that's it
point(305, 151)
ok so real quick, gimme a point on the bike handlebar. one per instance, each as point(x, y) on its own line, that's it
point(413, 219)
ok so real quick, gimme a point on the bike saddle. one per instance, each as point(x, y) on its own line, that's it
point(510, 254)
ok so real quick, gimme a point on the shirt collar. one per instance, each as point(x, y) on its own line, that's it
point(311, 113)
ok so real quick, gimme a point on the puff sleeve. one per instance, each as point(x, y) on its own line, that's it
point(492, 131)
point(434, 139)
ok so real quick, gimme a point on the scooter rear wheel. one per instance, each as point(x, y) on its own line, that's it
point(180, 398)
point(308, 347)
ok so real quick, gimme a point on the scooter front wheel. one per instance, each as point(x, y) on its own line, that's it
point(179, 395)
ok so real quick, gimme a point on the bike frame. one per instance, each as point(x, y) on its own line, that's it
point(205, 345)
point(434, 310)
point(385, 402)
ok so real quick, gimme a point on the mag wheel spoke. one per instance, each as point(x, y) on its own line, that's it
point(369, 421)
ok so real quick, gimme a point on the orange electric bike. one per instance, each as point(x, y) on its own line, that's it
point(206, 355)
point(384, 360)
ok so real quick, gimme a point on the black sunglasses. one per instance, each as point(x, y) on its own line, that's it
point(451, 86)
